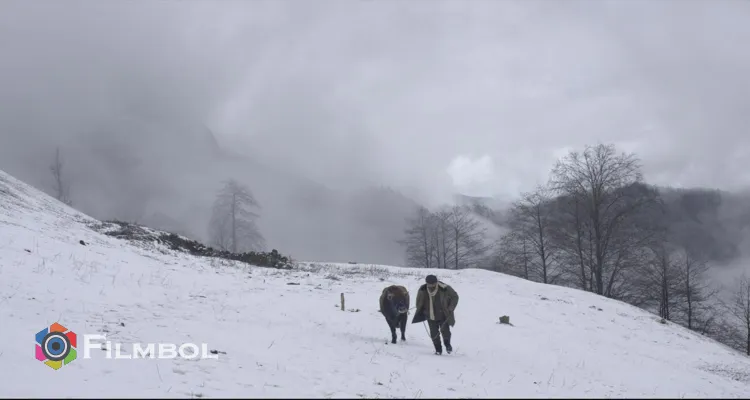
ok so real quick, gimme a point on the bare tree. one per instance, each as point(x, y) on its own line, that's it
point(659, 282)
point(418, 241)
point(531, 225)
point(513, 255)
point(572, 236)
point(727, 331)
point(739, 308)
point(610, 190)
point(232, 226)
point(467, 237)
point(62, 187)
point(448, 238)
point(441, 238)
point(220, 229)
point(696, 291)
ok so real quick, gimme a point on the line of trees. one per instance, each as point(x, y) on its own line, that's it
point(597, 226)
point(450, 237)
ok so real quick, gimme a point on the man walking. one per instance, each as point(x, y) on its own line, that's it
point(436, 302)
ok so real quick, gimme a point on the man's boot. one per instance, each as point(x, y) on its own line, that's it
point(435, 334)
point(446, 331)
point(438, 347)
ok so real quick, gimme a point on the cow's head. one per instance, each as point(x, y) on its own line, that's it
point(398, 302)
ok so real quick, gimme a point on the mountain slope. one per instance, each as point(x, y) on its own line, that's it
point(281, 332)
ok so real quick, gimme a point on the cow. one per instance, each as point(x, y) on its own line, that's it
point(394, 305)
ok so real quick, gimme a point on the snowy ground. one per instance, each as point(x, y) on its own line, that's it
point(284, 334)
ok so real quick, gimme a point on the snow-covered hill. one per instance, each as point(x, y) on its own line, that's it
point(281, 333)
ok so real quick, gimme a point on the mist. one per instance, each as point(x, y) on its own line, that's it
point(317, 105)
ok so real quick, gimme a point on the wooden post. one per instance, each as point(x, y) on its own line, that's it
point(342, 302)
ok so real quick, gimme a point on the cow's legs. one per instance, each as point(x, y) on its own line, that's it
point(392, 325)
point(402, 323)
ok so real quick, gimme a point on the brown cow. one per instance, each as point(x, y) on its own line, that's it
point(394, 305)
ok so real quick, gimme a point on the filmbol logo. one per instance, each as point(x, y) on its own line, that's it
point(56, 346)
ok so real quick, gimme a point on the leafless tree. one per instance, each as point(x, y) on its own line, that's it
point(531, 224)
point(441, 238)
point(467, 237)
point(232, 226)
point(659, 282)
point(608, 187)
point(451, 237)
point(696, 290)
point(572, 236)
point(739, 308)
point(61, 186)
point(418, 242)
point(727, 331)
point(513, 255)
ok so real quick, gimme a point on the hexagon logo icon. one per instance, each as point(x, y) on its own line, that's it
point(56, 346)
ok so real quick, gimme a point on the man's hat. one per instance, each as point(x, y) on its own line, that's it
point(431, 279)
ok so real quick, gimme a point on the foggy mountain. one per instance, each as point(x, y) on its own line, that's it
point(149, 182)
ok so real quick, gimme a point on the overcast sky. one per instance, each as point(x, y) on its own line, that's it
point(468, 95)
